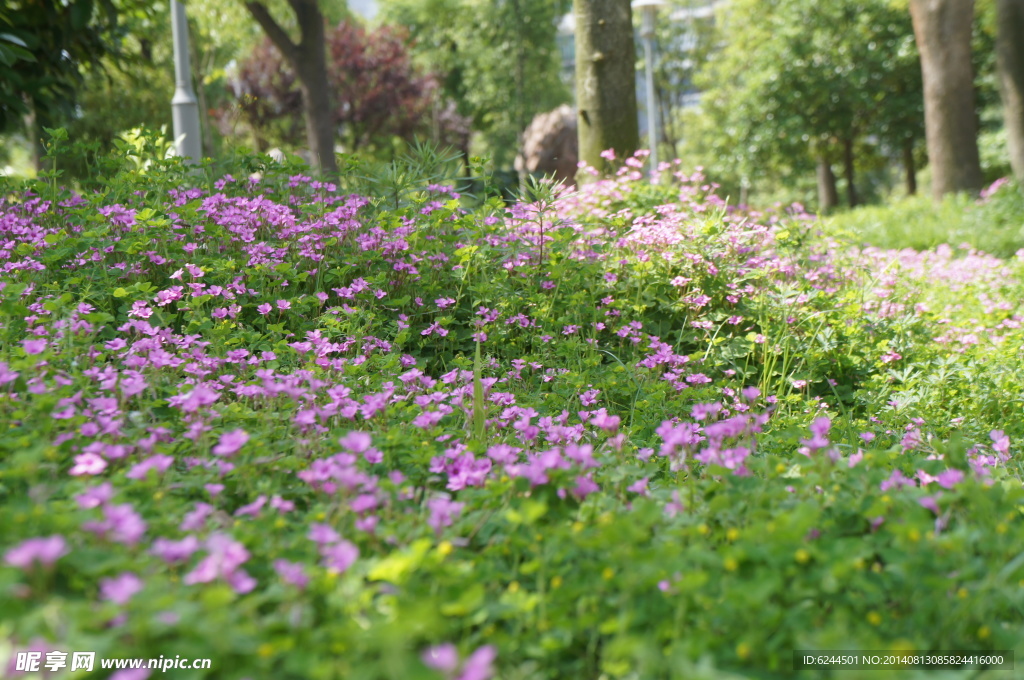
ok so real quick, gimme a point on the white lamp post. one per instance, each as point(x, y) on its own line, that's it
point(184, 108)
point(649, 11)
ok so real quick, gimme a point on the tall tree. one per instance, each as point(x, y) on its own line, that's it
point(44, 47)
point(1010, 65)
point(308, 59)
point(498, 60)
point(798, 85)
point(605, 79)
point(942, 29)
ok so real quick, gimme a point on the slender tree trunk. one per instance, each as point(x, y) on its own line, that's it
point(308, 59)
point(909, 167)
point(1010, 65)
point(849, 171)
point(828, 195)
point(605, 80)
point(942, 29)
point(34, 131)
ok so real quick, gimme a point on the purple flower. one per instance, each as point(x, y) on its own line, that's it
point(584, 487)
point(355, 442)
point(195, 519)
point(949, 478)
point(264, 309)
point(1000, 442)
point(339, 556)
point(284, 304)
point(442, 512)
point(45, 551)
point(292, 573)
point(95, 496)
point(929, 502)
point(175, 551)
point(479, 665)
point(896, 480)
point(230, 443)
point(281, 505)
point(36, 346)
point(639, 486)
point(131, 674)
point(121, 588)
point(443, 657)
point(160, 463)
point(224, 559)
point(323, 534)
point(702, 411)
point(126, 525)
point(253, 508)
point(819, 428)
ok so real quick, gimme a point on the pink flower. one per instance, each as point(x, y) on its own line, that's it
point(230, 443)
point(95, 496)
point(323, 534)
point(930, 503)
point(225, 556)
point(131, 674)
point(355, 442)
point(284, 304)
point(1000, 442)
point(175, 551)
point(896, 480)
point(88, 464)
point(442, 657)
point(292, 573)
point(479, 665)
point(442, 512)
point(36, 346)
point(949, 478)
point(160, 463)
point(120, 523)
point(45, 551)
point(264, 309)
point(121, 588)
point(339, 556)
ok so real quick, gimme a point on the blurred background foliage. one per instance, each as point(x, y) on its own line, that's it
point(778, 100)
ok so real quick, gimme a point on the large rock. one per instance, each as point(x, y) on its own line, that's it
point(549, 145)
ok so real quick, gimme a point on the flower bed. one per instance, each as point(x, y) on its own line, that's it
point(623, 433)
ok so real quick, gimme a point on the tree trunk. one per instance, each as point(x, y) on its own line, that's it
point(1010, 66)
point(828, 195)
point(849, 173)
point(308, 59)
point(942, 29)
point(908, 166)
point(34, 130)
point(605, 80)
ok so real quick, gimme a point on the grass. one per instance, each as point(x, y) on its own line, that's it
point(994, 225)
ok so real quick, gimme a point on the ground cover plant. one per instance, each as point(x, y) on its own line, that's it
point(626, 432)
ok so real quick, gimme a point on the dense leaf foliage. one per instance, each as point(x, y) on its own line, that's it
point(378, 94)
point(628, 432)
